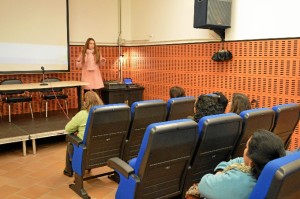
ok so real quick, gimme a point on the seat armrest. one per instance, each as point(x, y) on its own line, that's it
point(120, 166)
point(73, 139)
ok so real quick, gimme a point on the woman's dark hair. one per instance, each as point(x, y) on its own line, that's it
point(240, 102)
point(222, 99)
point(177, 91)
point(207, 105)
point(263, 147)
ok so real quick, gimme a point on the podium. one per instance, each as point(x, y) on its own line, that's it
point(126, 95)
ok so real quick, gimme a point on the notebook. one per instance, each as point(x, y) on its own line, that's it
point(127, 81)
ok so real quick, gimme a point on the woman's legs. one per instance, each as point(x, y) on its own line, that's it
point(69, 154)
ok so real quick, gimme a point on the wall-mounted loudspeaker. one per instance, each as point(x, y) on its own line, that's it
point(212, 14)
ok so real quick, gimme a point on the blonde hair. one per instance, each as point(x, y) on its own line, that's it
point(96, 51)
point(91, 99)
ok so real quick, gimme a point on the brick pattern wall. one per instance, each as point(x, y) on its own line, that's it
point(265, 70)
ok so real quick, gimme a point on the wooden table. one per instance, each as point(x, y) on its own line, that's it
point(38, 87)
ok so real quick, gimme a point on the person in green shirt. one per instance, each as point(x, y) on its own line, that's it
point(77, 126)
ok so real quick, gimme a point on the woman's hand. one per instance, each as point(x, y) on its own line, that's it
point(103, 60)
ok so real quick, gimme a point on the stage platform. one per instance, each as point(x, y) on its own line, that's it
point(23, 127)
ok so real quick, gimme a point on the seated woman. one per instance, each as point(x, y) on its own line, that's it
point(176, 91)
point(240, 102)
point(77, 126)
point(206, 105)
point(236, 178)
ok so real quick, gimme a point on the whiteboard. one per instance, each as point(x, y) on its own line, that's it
point(34, 33)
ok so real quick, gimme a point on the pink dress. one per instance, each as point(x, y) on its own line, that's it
point(90, 71)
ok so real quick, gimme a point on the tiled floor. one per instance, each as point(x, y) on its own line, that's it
point(41, 175)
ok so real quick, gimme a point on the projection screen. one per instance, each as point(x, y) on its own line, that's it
point(34, 33)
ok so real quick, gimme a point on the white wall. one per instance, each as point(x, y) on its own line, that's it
point(93, 18)
point(263, 19)
point(160, 21)
point(171, 21)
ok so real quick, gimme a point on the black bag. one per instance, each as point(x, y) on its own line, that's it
point(222, 55)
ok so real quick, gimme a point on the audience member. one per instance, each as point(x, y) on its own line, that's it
point(240, 102)
point(236, 178)
point(77, 126)
point(254, 104)
point(177, 91)
point(206, 105)
point(222, 99)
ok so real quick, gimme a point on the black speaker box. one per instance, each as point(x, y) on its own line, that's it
point(212, 14)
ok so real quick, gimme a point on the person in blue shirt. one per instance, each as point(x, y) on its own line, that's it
point(236, 178)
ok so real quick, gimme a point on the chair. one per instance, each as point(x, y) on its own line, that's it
point(287, 118)
point(16, 96)
point(261, 118)
point(104, 138)
point(280, 178)
point(180, 108)
point(161, 164)
point(143, 113)
point(218, 135)
point(52, 94)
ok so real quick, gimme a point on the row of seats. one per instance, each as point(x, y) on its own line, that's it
point(163, 167)
point(219, 135)
point(19, 96)
point(144, 113)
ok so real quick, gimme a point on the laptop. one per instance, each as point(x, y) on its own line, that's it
point(127, 81)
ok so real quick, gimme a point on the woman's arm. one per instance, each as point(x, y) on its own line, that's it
point(73, 125)
point(78, 61)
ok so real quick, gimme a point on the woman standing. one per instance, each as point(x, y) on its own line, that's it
point(89, 61)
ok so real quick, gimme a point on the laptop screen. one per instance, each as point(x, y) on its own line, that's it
point(127, 81)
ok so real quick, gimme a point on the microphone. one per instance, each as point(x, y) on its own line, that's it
point(43, 81)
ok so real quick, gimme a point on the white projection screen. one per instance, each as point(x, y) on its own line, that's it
point(34, 33)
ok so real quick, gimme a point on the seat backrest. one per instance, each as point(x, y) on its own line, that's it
point(261, 118)
point(280, 178)
point(164, 157)
point(11, 81)
point(143, 113)
point(218, 135)
point(287, 118)
point(105, 133)
point(180, 108)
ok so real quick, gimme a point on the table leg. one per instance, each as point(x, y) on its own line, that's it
point(24, 147)
point(33, 147)
point(79, 97)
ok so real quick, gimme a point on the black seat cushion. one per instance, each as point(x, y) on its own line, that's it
point(52, 96)
point(16, 99)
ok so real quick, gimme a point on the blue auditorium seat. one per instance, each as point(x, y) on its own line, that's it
point(287, 118)
point(104, 138)
point(279, 179)
point(218, 135)
point(162, 162)
point(261, 118)
point(180, 108)
point(143, 113)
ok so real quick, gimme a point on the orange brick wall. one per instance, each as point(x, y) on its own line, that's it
point(266, 70)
